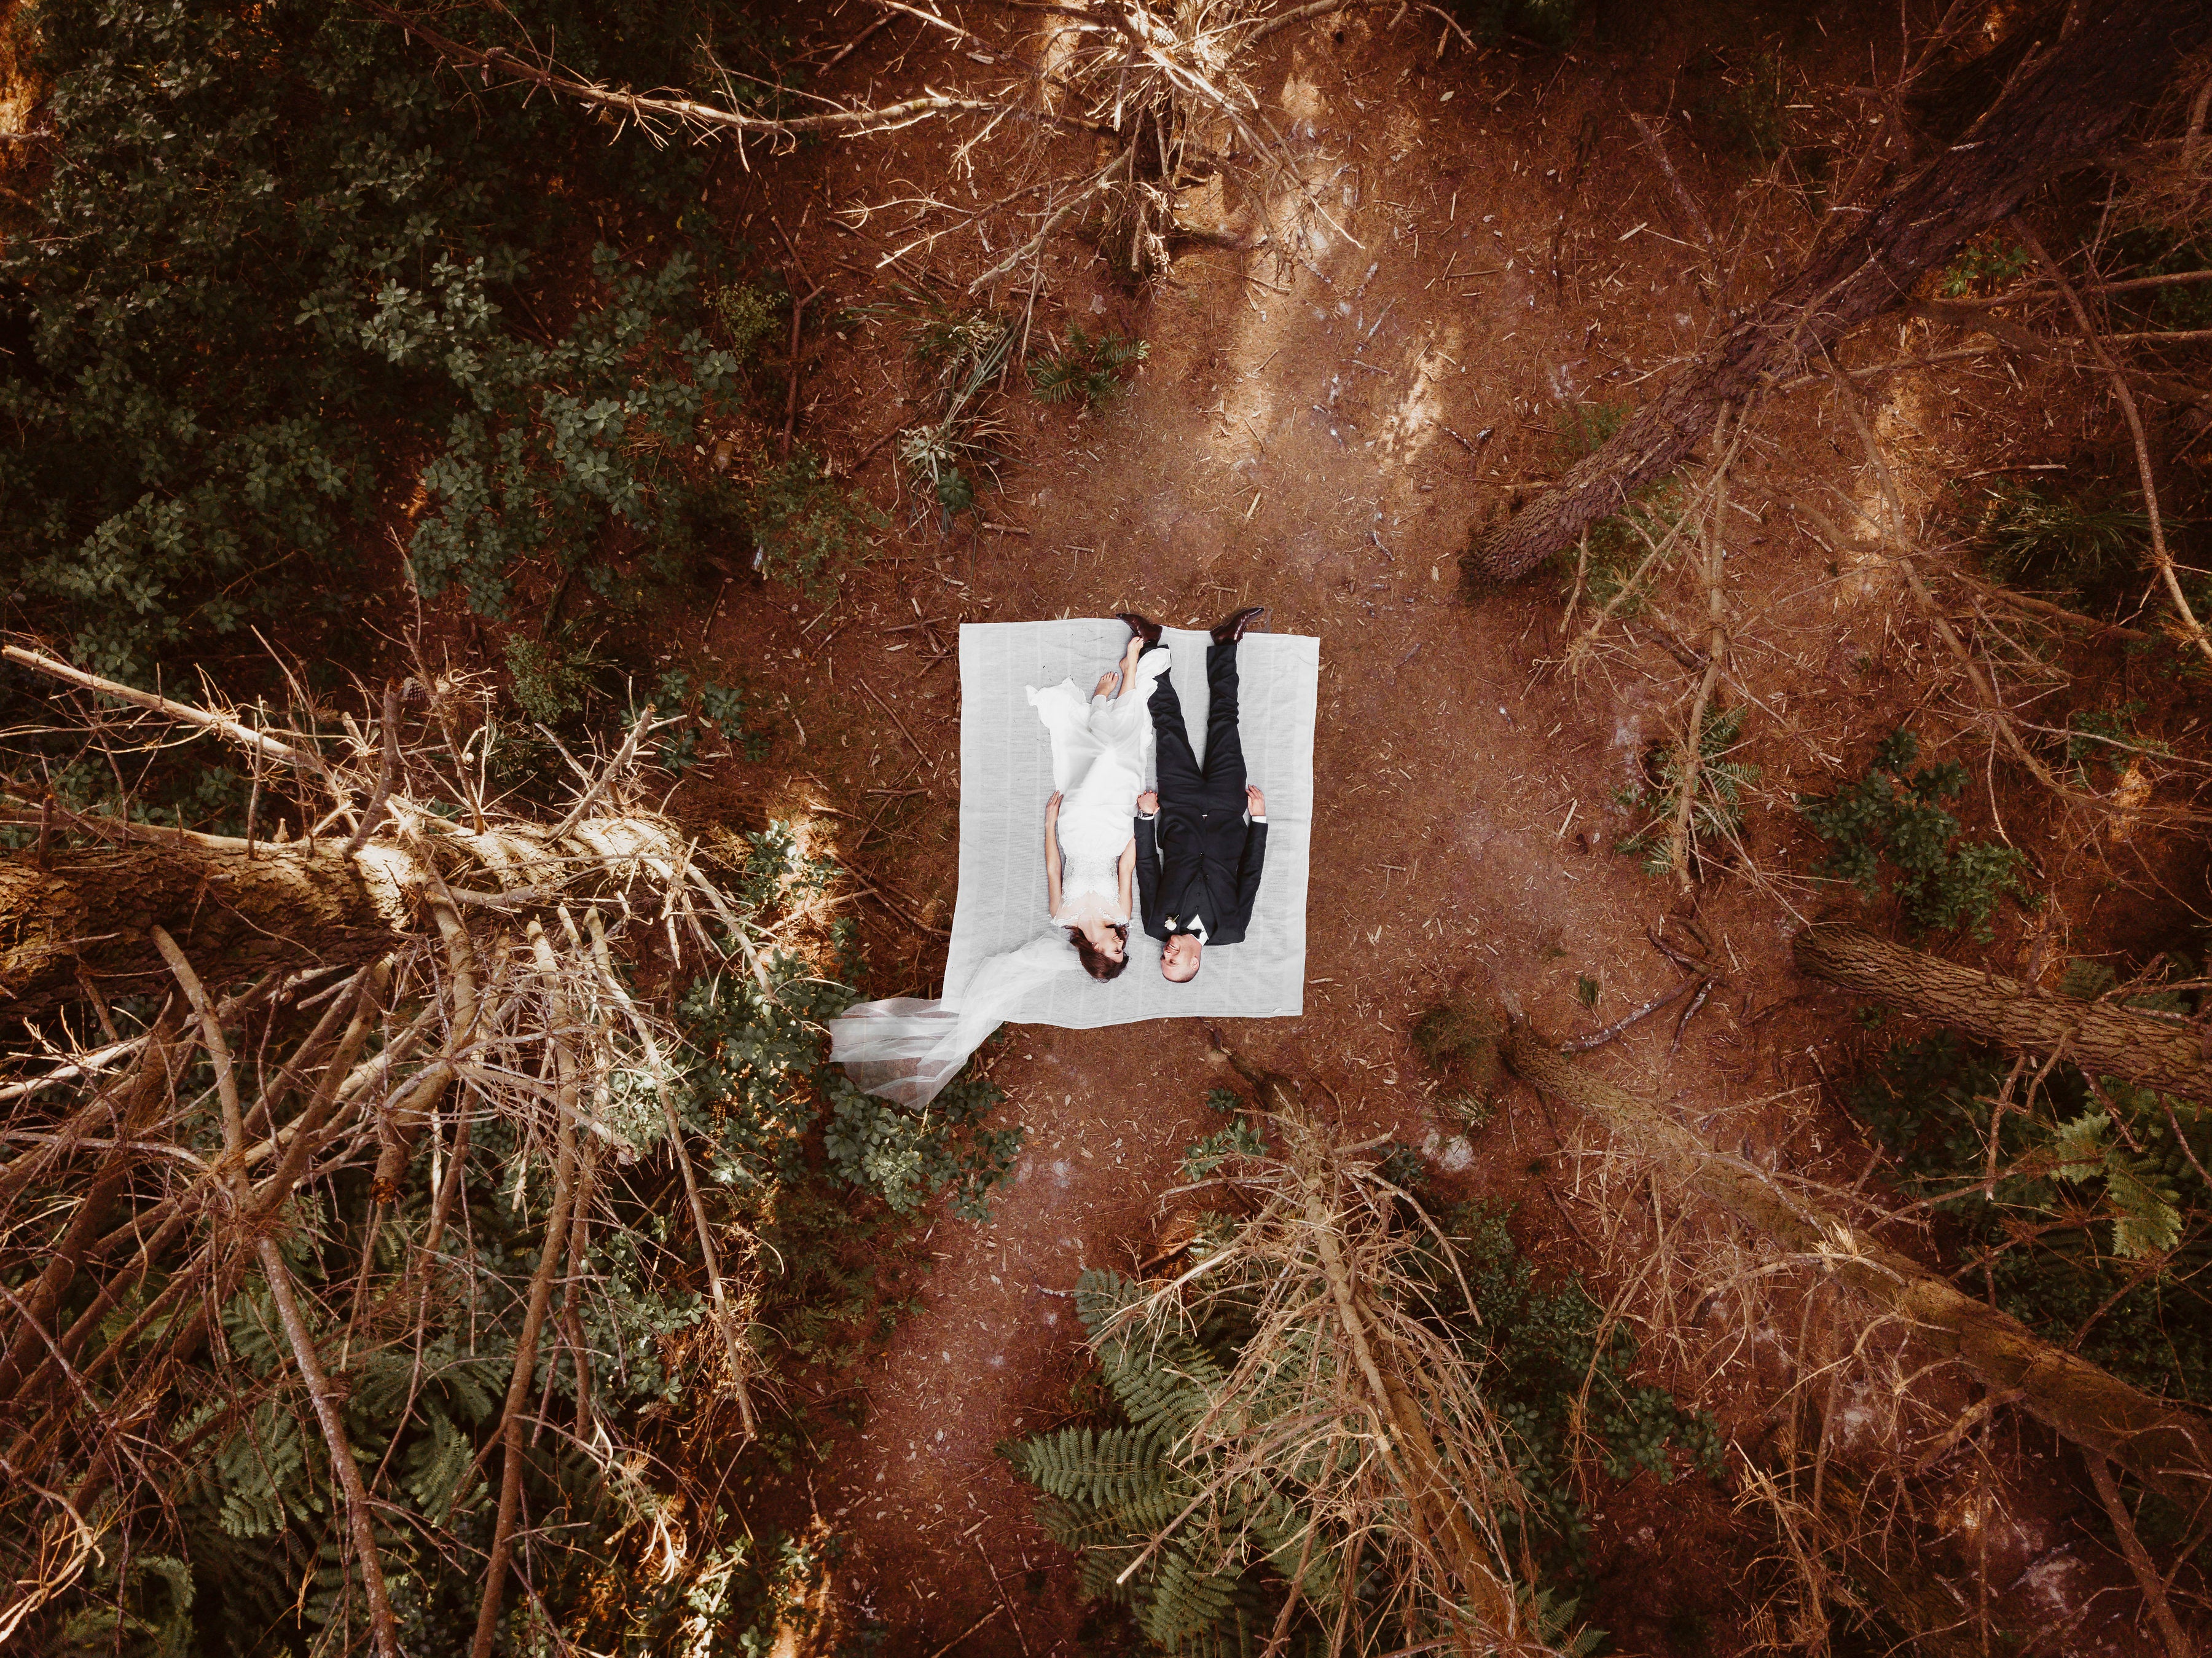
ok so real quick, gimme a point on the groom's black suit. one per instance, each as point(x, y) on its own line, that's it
point(1199, 857)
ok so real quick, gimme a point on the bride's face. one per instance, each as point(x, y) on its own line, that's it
point(1109, 942)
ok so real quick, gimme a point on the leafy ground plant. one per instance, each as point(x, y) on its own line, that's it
point(1086, 368)
point(1612, 566)
point(2039, 537)
point(1894, 818)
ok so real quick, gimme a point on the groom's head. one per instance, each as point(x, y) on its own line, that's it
point(1179, 958)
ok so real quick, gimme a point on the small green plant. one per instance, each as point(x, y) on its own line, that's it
point(1586, 990)
point(1717, 813)
point(719, 707)
point(1988, 264)
point(1895, 818)
point(1458, 1037)
point(962, 353)
point(2035, 536)
point(1085, 368)
point(747, 314)
point(1236, 1140)
point(808, 527)
point(2107, 737)
point(1614, 565)
point(548, 681)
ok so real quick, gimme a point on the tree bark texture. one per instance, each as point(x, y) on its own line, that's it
point(2058, 116)
point(2103, 1039)
point(89, 911)
point(2169, 1448)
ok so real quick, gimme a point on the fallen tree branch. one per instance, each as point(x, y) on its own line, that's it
point(2061, 111)
point(2169, 1450)
point(2103, 1038)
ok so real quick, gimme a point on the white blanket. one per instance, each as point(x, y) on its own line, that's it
point(1006, 777)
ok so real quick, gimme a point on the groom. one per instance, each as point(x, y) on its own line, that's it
point(1198, 861)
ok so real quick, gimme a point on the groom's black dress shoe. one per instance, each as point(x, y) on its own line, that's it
point(1231, 628)
point(1143, 626)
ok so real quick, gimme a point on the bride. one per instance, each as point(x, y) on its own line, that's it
point(906, 1048)
point(1099, 748)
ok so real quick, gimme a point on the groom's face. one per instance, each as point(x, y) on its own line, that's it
point(1179, 958)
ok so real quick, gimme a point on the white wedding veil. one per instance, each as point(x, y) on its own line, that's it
point(906, 1048)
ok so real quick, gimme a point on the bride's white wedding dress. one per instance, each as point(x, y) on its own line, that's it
point(906, 1048)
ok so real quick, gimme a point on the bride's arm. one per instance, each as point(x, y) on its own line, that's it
point(1052, 855)
point(1128, 876)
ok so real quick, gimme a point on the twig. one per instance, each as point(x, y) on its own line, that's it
point(965, 1633)
point(2177, 1644)
point(387, 774)
point(647, 111)
point(1599, 1038)
point(597, 785)
point(1695, 214)
point(798, 305)
point(184, 711)
point(1680, 835)
point(900, 723)
point(1004, 1600)
point(383, 1626)
point(2126, 285)
point(509, 1435)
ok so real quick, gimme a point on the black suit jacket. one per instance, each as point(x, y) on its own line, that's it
point(1205, 863)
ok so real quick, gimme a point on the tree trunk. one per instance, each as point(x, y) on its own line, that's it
point(2168, 1448)
point(2058, 116)
point(2101, 1038)
point(89, 910)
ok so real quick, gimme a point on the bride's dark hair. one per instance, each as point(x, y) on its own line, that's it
point(1096, 962)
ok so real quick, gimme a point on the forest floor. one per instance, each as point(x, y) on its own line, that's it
point(1320, 438)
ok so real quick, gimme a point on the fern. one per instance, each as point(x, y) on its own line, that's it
point(1207, 1578)
point(1717, 813)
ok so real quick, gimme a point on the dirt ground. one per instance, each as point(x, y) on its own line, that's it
point(1319, 440)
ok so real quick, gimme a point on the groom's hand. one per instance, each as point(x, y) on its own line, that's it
point(1255, 800)
point(1149, 802)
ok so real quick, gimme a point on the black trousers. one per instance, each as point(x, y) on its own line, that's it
point(1219, 785)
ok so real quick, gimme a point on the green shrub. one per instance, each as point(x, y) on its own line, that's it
point(759, 1083)
point(2107, 737)
point(1894, 818)
point(1110, 1485)
point(273, 270)
point(552, 446)
point(808, 527)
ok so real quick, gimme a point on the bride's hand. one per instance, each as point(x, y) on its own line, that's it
point(1052, 808)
